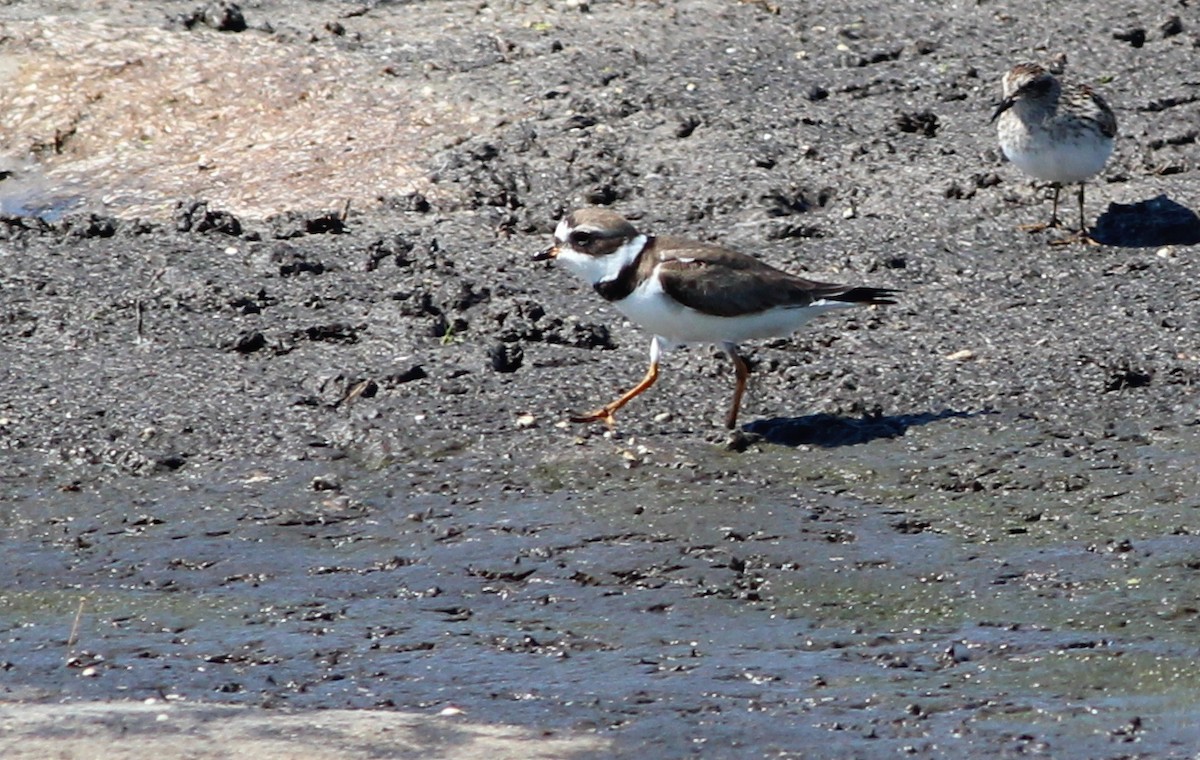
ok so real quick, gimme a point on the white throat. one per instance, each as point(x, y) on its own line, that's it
point(596, 269)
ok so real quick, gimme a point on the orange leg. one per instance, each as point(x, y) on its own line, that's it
point(605, 413)
point(743, 373)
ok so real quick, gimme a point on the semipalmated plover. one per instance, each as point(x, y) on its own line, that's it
point(684, 291)
point(1054, 133)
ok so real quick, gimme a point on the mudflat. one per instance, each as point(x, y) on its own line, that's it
point(284, 460)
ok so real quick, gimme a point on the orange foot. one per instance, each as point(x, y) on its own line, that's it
point(604, 414)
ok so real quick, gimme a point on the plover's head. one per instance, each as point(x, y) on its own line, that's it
point(1026, 82)
point(594, 243)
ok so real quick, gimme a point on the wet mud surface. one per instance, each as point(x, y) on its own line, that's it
point(282, 425)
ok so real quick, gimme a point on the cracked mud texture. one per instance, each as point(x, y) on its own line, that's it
point(284, 465)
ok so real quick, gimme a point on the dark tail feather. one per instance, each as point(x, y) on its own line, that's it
point(866, 296)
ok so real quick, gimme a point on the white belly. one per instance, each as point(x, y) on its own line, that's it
point(1052, 151)
point(1067, 162)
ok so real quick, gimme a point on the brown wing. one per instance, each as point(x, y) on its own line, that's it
point(728, 283)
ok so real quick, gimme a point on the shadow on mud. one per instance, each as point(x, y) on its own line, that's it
point(830, 431)
point(1147, 224)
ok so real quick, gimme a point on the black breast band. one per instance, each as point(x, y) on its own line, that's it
point(625, 282)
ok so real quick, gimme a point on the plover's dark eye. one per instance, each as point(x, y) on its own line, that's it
point(581, 238)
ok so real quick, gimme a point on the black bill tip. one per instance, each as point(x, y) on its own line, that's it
point(1005, 104)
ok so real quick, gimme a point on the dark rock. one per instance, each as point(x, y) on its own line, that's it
point(291, 261)
point(924, 123)
point(86, 226)
point(415, 203)
point(1135, 36)
point(587, 335)
point(793, 199)
point(15, 226)
point(816, 93)
point(1125, 376)
point(170, 462)
point(294, 224)
point(222, 16)
point(506, 357)
point(415, 372)
point(335, 332)
point(445, 328)
point(249, 342)
point(396, 247)
point(686, 127)
point(195, 216)
point(789, 231)
point(1171, 26)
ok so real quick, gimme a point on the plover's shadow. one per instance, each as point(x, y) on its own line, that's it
point(1147, 224)
point(830, 431)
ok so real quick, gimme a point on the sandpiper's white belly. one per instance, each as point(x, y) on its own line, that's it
point(1054, 151)
point(651, 308)
point(1069, 161)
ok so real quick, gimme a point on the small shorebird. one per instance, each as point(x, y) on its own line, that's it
point(1054, 133)
point(684, 291)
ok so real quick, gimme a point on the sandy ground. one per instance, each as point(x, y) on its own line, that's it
point(285, 465)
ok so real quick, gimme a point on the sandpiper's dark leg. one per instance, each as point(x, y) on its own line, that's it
point(1082, 223)
point(605, 413)
point(1053, 215)
point(1083, 236)
point(743, 373)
